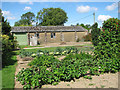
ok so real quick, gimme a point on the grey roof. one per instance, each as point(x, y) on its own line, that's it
point(48, 29)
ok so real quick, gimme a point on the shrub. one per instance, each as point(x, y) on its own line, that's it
point(6, 44)
point(95, 34)
point(77, 40)
point(108, 48)
point(87, 37)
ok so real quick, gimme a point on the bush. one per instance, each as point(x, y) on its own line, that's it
point(108, 48)
point(77, 40)
point(6, 44)
point(95, 34)
point(87, 37)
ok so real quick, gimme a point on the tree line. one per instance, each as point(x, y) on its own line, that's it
point(45, 17)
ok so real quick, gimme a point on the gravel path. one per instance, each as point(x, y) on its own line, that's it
point(22, 63)
point(59, 45)
point(103, 81)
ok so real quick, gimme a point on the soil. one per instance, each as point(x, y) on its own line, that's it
point(103, 81)
point(22, 63)
point(107, 80)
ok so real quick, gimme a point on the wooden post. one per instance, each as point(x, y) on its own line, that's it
point(37, 38)
point(94, 16)
point(28, 38)
point(45, 37)
point(75, 35)
point(61, 36)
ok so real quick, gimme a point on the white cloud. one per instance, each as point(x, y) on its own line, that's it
point(10, 18)
point(85, 9)
point(103, 17)
point(27, 8)
point(112, 7)
point(6, 13)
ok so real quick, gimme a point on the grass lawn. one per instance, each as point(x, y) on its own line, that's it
point(53, 48)
point(23, 46)
point(8, 71)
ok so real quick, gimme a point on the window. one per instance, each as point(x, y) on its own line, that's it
point(52, 35)
point(37, 35)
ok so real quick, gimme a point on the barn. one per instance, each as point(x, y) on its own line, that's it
point(34, 35)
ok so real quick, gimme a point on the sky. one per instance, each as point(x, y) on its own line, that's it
point(77, 12)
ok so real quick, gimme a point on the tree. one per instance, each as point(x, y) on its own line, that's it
point(26, 19)
point(21, 22)
point(87, 26)
point(95, 34)
point(51, 16)
point(6, 28)
point(8, 41)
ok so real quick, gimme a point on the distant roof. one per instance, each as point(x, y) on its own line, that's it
point(48, 29)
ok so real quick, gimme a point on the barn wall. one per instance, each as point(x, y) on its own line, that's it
point(21, 38)
point(67, 37)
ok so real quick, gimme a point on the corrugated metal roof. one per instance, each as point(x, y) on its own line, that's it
point(48, 29)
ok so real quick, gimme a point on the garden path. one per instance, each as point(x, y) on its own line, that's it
point(22, 63)
point(61, 45)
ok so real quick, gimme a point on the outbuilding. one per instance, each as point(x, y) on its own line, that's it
point(34, 35)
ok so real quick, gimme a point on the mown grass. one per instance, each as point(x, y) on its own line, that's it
point(27, 46)
point(53, 48)
point(8, 71)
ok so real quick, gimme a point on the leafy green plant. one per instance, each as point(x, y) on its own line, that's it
point(107, 51)
point(44, 60)
point(95, 33)
point(24, 53)
point(87, 37)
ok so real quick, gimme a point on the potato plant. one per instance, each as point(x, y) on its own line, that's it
point(48, 70)
point(44, 60)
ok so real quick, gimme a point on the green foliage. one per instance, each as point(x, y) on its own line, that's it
point(48, 70)
point(87, 37)
point(77, 40)
point(8, 70)
point(6, 28)
point(87, 26)
point(108, 48)
point(44, 60)
point(24, 53)
point(6, 44)
point(95, 33)
point(56, 52)
point(51, 16)
point(8, 41)
point(26, 19)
